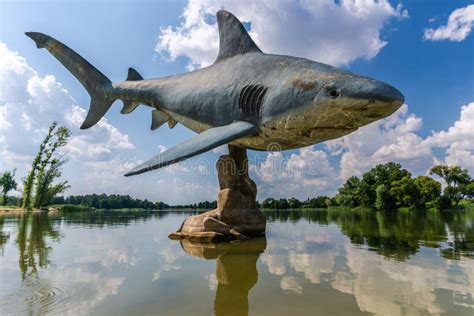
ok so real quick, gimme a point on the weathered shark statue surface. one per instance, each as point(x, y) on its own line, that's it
point(246, 98)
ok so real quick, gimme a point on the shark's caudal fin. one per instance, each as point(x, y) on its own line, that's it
point(98, 85)
point(233, 38)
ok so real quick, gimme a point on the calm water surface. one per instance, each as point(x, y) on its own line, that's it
point(310, 263)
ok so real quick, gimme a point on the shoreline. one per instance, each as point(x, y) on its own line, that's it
point(19, 210)
point(4, 210)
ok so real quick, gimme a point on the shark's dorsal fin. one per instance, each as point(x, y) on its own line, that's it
point(233, 38)
point(133, 75)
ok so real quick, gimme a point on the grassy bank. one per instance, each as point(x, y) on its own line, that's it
point(464, 205)
point(72, 208)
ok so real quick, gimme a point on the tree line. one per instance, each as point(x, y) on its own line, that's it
point(116, 201)
point(201, 205)
point(293, 203)
point(112, 201)
point(389, 186)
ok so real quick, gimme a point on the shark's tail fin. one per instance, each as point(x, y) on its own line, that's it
point(98, 85)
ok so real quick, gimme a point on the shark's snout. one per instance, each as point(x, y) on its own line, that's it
point(376, 91)
point(374, 98)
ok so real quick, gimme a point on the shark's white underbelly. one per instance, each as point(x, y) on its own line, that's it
point(274, 137)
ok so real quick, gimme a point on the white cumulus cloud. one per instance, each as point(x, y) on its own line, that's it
point(458, 140)
point(307, 172)
point(458, 27)
point(29, 103)
point(334, 32)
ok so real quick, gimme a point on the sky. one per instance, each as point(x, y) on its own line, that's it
point(424, 48)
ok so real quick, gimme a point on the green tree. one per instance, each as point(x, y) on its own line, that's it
point(458, 182)
point(381, 174)
point(469, 190)
point(331, 202)
point(317, 202)
point(294, 203)
point(348, 194)
point(405, 192)
point(49, 169)
point(428, 188)
point(7, 183)
point(45, 168)
point(29, 181)
point(383, 198)
point(46, 189)
point(268, 203)
point(282, 204)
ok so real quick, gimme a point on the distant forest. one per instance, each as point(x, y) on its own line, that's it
point(112, 201)
point(115, 201)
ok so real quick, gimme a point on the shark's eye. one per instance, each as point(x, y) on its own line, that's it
point(333, 93)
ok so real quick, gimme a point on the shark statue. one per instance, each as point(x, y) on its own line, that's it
point(247, 98)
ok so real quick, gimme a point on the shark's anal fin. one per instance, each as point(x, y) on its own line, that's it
point(158, 118)
point(233, 38)
point(203, 142)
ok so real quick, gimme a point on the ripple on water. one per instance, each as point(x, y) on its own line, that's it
point(41, 297)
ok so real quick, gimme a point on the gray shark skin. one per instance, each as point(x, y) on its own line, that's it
point(246, 98)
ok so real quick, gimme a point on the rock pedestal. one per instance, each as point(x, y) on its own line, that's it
point(236, 215)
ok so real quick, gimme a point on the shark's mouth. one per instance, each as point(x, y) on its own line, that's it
point(360, 106)
point(336, 128)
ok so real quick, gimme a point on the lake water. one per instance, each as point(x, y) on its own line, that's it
point(310, 263)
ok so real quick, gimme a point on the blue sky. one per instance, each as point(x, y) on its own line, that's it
point(424, 48)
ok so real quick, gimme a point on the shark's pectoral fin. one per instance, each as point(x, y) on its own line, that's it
point(203, 142)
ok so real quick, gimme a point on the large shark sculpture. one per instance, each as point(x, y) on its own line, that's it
point(247, 98)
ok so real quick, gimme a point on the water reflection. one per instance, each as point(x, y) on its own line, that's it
point(327, 262)
point(79, 277)
point(33, 251)
point(391, 270)
point(396, 235)
point(3, 235)
point(236, 271)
